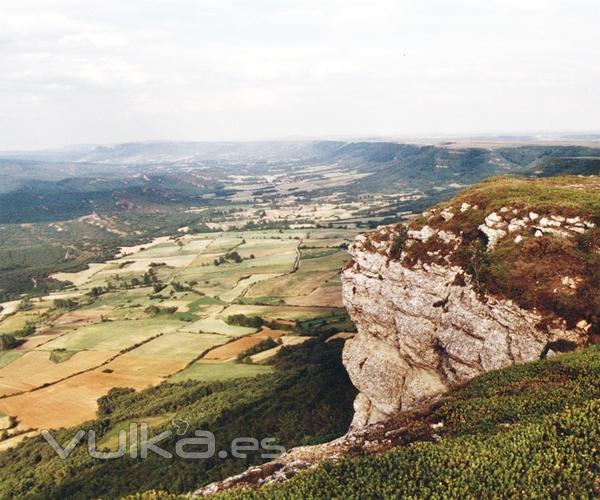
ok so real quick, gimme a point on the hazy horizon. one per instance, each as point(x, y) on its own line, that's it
point(531, 137)
point(111, 72)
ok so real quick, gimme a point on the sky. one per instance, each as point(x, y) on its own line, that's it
point(74, 72)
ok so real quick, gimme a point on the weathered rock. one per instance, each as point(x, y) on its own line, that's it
point(493, 235)
point(545, 222)
point(422, 331)
point(422, 235)
point(447, 215)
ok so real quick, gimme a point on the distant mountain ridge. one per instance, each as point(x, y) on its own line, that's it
point(186, 152)
point(104, 178)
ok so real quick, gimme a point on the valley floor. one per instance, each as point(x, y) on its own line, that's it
point(163, 311)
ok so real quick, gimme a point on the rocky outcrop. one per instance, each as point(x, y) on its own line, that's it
point(424, 329)
point(426, 325)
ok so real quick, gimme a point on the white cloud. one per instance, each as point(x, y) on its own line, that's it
point(106, 71)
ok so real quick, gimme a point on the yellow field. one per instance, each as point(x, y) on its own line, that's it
point(34, 369)
point(115, 340)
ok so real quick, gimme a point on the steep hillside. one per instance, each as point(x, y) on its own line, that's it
point(308, 399)
point(528, 431)
point(503, 273)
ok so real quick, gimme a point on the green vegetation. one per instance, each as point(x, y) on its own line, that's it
point(113, 335)
point(529, 430)
point(531, 272)
point(398, 242)
point(307, 399)
point(61, 355)
point(561, 195)
point(8, 342)
point(214, 372)
point(153, 310)
point(229, 257)
point(268, 343)
point(7, 357)
point(243, 320)
point(65, 303)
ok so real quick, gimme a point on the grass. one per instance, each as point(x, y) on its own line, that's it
point(571, 195)
point(112, 335)
point(17, 321)
point(197, 305)
point(215, 325)
point(243, 284)
point(530, 272)
point(59, 355)
point(300, 283)
point(322, 260)
point(264, 248)
point(179, 345)
point(212, 372)
point(222, 245)
point(7, 357)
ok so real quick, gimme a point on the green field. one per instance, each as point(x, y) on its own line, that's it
point(280, 312)
point(151, 321)
point(112, 335)
point(179, 345)
point(7, 357)
point(326, 259)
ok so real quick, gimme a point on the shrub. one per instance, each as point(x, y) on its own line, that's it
point(243, 320)
point(398, 242)
point(264, 345)
point(8, 342)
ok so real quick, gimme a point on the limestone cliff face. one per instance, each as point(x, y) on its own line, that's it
point(423, 329)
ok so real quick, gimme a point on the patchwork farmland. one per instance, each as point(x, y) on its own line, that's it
point(208, 306)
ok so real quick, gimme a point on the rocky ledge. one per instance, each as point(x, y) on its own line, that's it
point(426, 322)
point(424, 330)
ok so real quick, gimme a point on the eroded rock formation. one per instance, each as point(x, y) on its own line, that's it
point(423, 329)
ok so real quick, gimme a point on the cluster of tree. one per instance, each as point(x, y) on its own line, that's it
point(156, 310)
point(26, 331)
point(229, 257)
point(65, 303)
point(25, 305)
point(183, 287)
point(148, 278)
point(243, 320)
point(96, 291)
point(264, 345)
point(8, 342)
point(11, 340)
